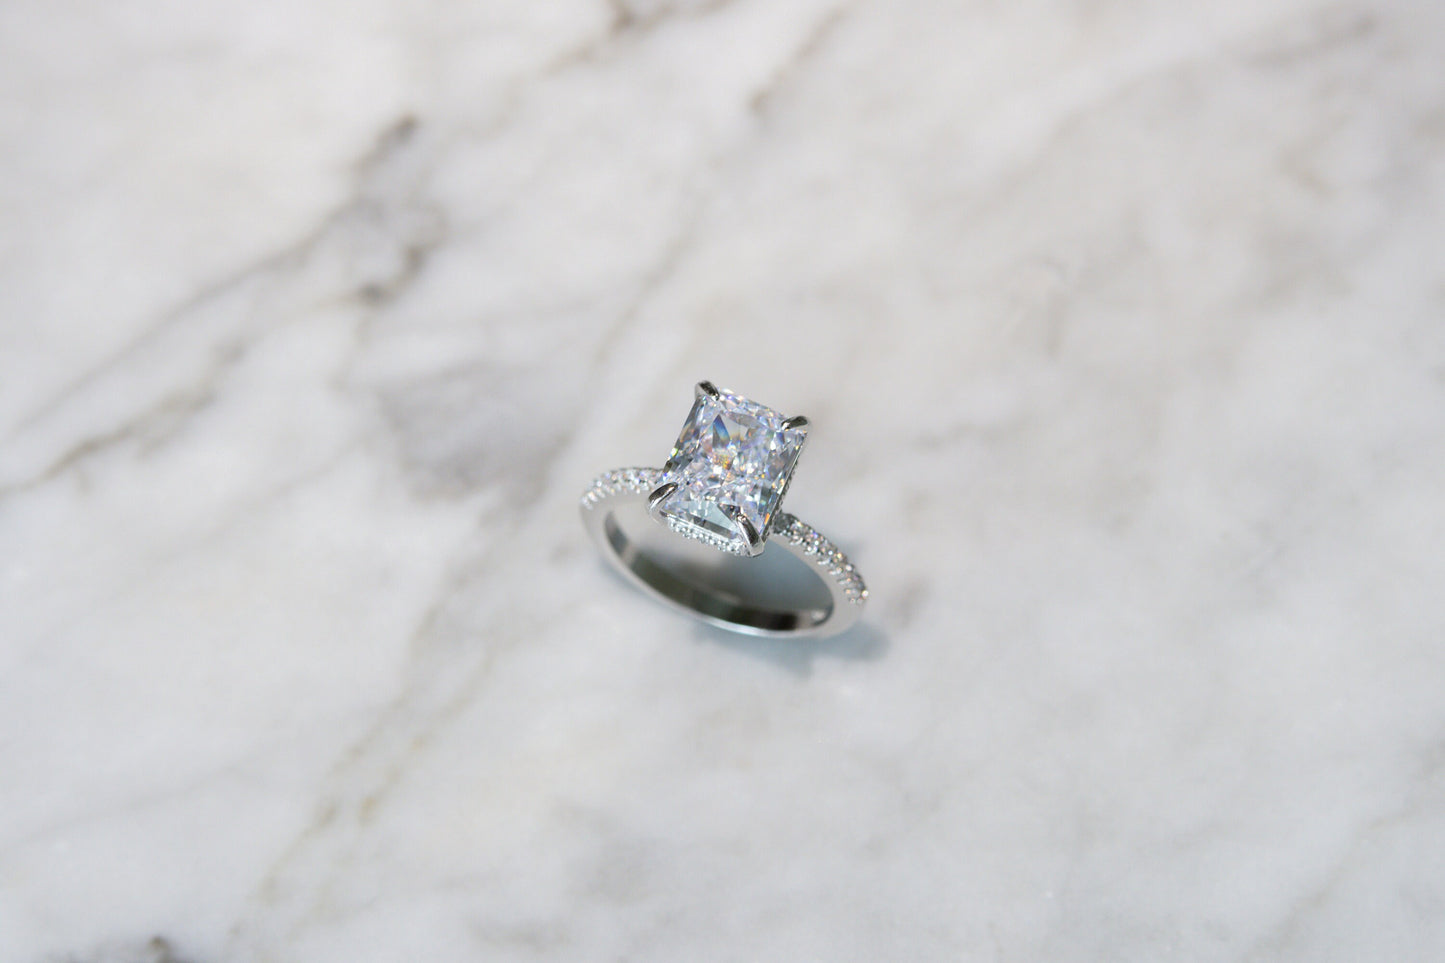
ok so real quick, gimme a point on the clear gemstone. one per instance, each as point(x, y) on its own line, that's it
point(731, 462)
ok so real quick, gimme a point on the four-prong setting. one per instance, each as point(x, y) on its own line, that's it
point(728, 471)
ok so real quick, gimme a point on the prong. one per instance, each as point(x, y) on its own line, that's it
point(707, 388)
point(657, 495)
point(750, 532)
point(797, 421)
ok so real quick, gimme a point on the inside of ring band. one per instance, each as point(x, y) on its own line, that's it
point(709, 602)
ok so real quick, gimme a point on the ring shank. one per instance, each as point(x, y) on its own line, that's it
point(716, 604)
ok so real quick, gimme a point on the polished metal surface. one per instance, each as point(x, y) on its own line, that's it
point(612, 512)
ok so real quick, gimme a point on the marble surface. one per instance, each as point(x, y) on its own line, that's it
point(1122, 330)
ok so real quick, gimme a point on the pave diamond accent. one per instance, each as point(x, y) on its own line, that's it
point(828, 556)
point(637, 481)
point(731, 464)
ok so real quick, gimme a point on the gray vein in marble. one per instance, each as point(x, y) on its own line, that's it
point(813, 43)
point(374, 204)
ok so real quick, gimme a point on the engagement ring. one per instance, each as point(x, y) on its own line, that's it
point(722, 487)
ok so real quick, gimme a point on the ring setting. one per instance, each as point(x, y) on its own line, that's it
point(723, 485)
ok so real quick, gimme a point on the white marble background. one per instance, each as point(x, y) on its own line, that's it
point(1122, 328)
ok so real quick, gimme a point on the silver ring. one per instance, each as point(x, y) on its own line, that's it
point(722, 487)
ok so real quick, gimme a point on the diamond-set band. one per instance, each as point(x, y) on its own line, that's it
point(723, 486)
point(811, 542)
point(637, 481)
point(828, 556)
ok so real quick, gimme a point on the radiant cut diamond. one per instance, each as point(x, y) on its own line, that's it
point(731, 466)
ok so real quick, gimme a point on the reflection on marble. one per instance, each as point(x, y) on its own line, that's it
point(1120, 330)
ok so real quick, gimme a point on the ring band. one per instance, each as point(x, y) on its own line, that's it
point(723, 486)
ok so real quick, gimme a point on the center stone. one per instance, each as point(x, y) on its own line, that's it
point(731, 462)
